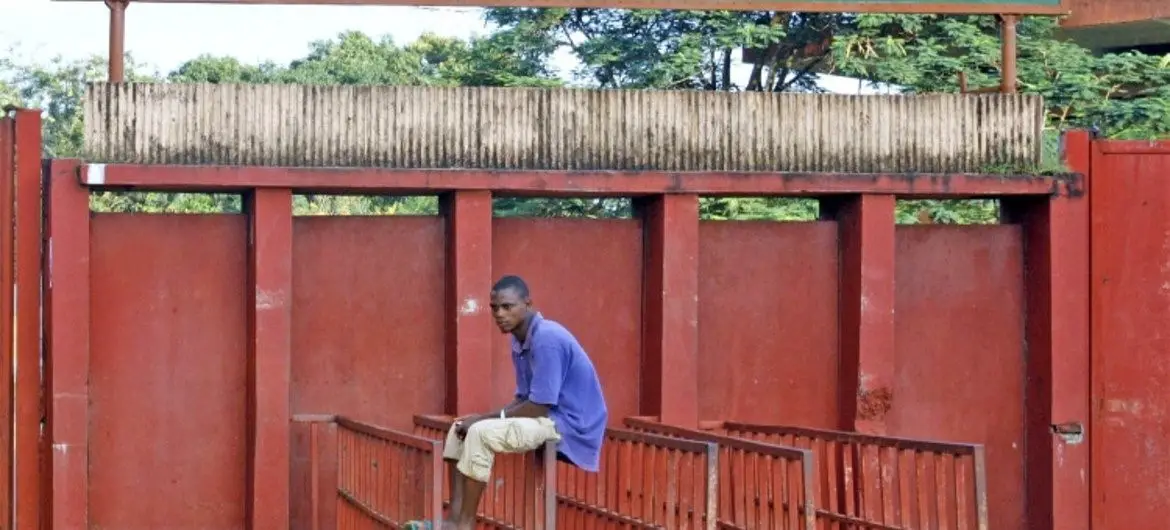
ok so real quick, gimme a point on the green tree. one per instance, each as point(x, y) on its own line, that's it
point(681, 49)
point(1127, 95)
point(9, 95)
point(211, 69)
point(57, 88)
point(505, 58)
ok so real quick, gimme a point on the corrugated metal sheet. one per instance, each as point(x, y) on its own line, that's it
point(521, 128)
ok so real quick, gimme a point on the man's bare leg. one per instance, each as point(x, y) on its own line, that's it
point(472, 491)
point(456, 484)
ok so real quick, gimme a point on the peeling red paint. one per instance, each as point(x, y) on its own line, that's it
point(874, 404)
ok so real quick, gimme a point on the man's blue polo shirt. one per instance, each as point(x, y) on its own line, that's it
point(553, 369)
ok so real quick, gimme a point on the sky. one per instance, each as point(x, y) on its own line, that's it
point(163, 36)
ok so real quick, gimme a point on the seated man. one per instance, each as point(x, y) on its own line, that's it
point(558, 398)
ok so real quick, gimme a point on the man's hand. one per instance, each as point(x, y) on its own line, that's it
point(463, 423)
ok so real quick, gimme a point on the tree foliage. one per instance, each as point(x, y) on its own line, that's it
point(681, 49)
point(1124, 95)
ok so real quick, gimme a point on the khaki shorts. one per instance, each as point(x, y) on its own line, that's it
point(476, 453)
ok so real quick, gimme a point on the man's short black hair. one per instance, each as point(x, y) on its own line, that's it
point(512, 282)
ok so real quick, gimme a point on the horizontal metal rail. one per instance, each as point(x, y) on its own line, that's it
point(561, 183)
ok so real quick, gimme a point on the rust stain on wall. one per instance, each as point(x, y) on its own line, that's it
point(559, 129)
point(874, 404)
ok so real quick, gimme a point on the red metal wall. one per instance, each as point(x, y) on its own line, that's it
point(960, 361)
point(768, 322)
point(586, 274)
point(1131, 335)
point(167, 371)
point(849, 322)
point(367, 317)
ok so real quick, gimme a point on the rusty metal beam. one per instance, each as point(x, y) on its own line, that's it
point(953, 8)
point(570, 183)
point(117, 36)
point(7, 321)
point(28, 405)
point(866, 367)
point(1135, 147)
point(1008, 81)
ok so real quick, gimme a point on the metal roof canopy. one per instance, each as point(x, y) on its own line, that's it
point(992, 7)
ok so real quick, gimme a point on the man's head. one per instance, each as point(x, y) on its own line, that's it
point(510, 303)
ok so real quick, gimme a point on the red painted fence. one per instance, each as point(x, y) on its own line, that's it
point(676, 481)
point(644, 481)
point(522, 493)
point(880, 482)
point(315, 467)
point(847, 323)
point(386, 478)
point(761, 485)
point(363, 476)
point(860, 481)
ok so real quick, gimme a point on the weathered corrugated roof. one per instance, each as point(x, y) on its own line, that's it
point(528, 128)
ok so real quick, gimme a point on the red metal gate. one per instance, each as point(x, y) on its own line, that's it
point(21, 404)
point(1131, 335)
point(7, 281)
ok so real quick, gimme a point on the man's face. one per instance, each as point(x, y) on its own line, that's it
point(509, 309)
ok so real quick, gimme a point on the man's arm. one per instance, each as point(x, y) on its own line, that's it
point(518, 408)
point(525, 409)
point(544, 389)
point(495, 413)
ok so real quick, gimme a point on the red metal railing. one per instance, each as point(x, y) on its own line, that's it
point(772, 487)
point(645, 481)
point(385, 478)
point(314, 470)
point(521, 494)
point(351, 475)
point(886, 483)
